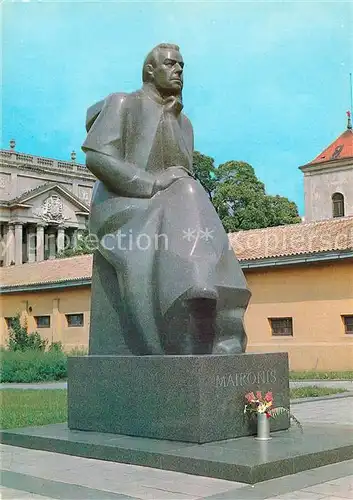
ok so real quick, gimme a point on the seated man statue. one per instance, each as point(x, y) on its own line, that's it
point(165, 280)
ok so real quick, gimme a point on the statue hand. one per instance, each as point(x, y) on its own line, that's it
point(166, 178)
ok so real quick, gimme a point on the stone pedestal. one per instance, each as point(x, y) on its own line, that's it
point(196, 399)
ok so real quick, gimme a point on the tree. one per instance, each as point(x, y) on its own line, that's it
point(20, 340)
point(205, 171)
point(242, 203)
point(84, 245)
point(283, 211)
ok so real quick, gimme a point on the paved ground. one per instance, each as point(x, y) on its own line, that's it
point(29, 473)
point(342, 384)
point(41, 385)
point(34, 474)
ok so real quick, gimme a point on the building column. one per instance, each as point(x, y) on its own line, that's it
point(31, 244)
point(74, 239)
point(3, 244)
point(52, 244)
point(10, 245)
point(40, 243)
point(60, 239)
point(18, 244)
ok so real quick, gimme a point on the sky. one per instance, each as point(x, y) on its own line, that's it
point(264, 82)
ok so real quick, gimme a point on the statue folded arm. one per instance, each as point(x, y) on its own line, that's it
point(104, 148)
point(125, 179)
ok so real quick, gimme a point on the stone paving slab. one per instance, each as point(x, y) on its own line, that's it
point(56, 489)
point(14, 494)
point(340, 384)
point(37, 386)
point(335, 411)
point(294, 487)
point(98, 475)
point(40, 476)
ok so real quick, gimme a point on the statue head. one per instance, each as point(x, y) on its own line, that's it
point(163, 68)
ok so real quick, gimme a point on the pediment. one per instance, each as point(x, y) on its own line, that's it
point(52, 203)
point(29, 196)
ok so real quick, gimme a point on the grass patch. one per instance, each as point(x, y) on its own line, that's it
point(346, 375)
point(32, 366)
point(312, 391)
point(22, 408)
point(31, 407)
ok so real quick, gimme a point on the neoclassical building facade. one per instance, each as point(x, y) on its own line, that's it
point(44, 204)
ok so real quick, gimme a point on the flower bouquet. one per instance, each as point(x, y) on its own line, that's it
point(263, 408)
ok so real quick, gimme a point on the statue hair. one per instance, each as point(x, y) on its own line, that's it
point(152, 58)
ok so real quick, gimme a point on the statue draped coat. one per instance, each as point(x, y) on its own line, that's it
point(154, 250)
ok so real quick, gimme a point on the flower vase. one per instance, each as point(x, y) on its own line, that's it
point(263, 427)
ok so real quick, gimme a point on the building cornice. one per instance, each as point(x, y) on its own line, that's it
point(296, 259)
point(35, 287)
point(336, 165)
point(42, 164)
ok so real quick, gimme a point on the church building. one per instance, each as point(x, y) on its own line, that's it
point(328, 180)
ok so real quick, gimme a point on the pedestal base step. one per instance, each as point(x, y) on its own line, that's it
point(244, 459)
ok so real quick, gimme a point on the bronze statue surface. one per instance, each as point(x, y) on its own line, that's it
point(165, 280)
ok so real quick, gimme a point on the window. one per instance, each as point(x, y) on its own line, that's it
point(281, 326)
point(74, 319)
point(337, 152)
point(348, 324)
point(9, 322)
point(42, 321)
point(338, 205)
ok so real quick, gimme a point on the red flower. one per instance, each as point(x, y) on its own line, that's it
point(258, 395)
point(268, 396)
point(268, 415)
point(250, 397)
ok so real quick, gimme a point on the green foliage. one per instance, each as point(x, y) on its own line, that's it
point(20, 340)
point(311, 375)
point(84, 245)
point(78, 351)
point(282, 211)
point(313, 391)
point(32, 366)
point(281, 410)
point(242, 203)
point(56, 347)
point(23, 408)
point(205, 171)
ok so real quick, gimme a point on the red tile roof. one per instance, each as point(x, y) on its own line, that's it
point(341, 148)
point(47, 271)
point(280, 241)
point(294, 239)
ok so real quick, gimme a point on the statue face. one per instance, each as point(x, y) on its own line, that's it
point(168, 71)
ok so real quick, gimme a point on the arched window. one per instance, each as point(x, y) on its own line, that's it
point(338, 205)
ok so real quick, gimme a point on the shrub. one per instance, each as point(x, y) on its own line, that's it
point(33, 366)
point(56, 347)
point(78, 351)
point(20, 340)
